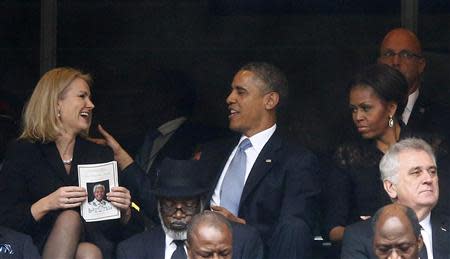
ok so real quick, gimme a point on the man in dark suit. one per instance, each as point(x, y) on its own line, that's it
point(167, 105)
point(409, 175)
point(401, 49)
point(16, 245)
point(396, 233)
point(259, 178)
point(179, 188)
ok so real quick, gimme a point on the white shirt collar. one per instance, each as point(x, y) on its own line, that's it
point(412, 98)
point(426, 223)
point(427, 235)
point(172, 125)
point(260, 139)
point(169, 241)
point(170, 247)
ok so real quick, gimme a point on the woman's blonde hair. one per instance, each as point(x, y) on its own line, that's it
point(40, 118)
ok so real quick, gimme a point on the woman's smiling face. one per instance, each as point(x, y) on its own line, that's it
point(75, 107)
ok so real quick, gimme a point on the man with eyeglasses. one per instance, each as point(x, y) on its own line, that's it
point(180, 188)
point(401, 49)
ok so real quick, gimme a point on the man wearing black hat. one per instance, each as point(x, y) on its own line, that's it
point(180, 189)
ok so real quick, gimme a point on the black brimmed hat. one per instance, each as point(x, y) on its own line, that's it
point(180, 179)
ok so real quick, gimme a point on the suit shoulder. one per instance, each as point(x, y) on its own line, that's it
point(295, 152)
point(22, 146)
point(138, 241)
point(244, 232)
point(12, 234)
point(20, 149)
point(441, 219)
point(358, 228)
point(357, 242)
point(297, 149)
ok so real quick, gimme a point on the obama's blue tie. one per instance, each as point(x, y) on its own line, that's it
point(233, 182)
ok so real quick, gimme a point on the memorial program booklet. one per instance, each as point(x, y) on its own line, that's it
point(98, 179)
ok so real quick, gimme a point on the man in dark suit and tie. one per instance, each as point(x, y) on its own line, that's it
point(409, 175)
point(258, 177)
point(401, 49)
point(166, 105)
point(180, 189)
point(424, 111)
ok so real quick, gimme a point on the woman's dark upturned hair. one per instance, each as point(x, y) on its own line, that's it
point(387, 83)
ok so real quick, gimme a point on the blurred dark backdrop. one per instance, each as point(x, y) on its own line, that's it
point(318, 43)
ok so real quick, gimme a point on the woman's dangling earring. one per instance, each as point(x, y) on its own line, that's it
point(391, 121)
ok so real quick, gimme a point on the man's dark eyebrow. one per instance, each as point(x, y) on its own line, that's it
point(238, 87)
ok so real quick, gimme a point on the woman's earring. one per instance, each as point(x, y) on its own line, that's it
point(391, 121)
point(59, 114)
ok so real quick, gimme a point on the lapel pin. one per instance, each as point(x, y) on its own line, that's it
point(268, 160)
point(444, 228)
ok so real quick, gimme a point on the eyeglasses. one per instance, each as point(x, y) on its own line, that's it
point(404, 54)
point(170, 207)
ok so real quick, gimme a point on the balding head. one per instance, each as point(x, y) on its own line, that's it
point(209, 235)
point(401, 49)
point(402, 36)
point(396, 232)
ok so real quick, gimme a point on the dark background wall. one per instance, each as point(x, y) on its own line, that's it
point(319, 44)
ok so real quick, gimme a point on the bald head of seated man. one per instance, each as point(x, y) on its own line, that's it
point(396, 233)
point(209, 235)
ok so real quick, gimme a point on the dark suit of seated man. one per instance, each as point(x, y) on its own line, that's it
point(180, 188)
point(258, 178)
point(402, 50)
point(16, 245)
point(409, 175)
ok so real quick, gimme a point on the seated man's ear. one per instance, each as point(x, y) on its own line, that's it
point(390, 188)
point(271, 100)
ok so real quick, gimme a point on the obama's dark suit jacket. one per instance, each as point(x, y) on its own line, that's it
point(280, 192)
